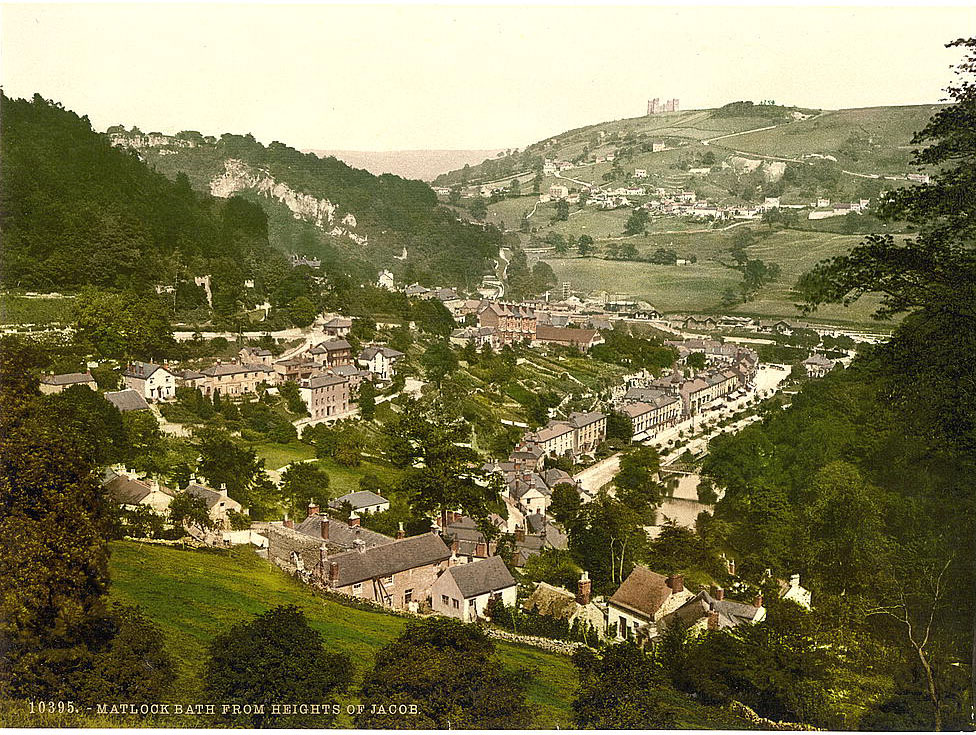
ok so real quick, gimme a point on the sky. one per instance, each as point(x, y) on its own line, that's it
point(382, 77)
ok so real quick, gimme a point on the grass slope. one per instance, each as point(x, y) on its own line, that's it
point(194, 595)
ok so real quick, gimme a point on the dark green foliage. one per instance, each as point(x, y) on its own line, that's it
point(438, 361)
point(90, 423)
point(79, 212)
point(696, 360)
point(448, 669)
point(189, 510)
point(303, 483)
point(225, 463)
point(621, 689)
point(637, 222)
point(275, 658)
point(122, 325)
point(529, 622)
point(366, 400)
point(619, 426)
point(621, 348)
point(293, 398)
point(432, 317)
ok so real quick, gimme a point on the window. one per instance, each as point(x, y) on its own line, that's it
point(407, 596)
point(457, 604)
point(388, 580)
point(445, 600)
point(357, 589)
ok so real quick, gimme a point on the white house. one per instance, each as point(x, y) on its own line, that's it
point(640, 173)
point(386, 280)
point(794, 592)
point(464, 591)
point(380, 361)
point(153, 382)
point(361, 502)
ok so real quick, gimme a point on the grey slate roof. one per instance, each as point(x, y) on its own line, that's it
point(340, 534)
point(370, 352)
point(67, 379)
point(482, 576)
point(388, 559)
point(141, 370)
point(359, 499)
point(127, 400)
point(322, 381)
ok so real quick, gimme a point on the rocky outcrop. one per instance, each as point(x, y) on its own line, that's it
point(239, 176)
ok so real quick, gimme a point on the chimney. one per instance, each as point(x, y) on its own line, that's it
point(333, 573)
point(481, 550)
point(676, 582)
point(325, 529)
point(583, 589)
point(731, 566)
point(794, 580)
point(717, 592)
point(223, 489)
point(289, 523)
point(354, 522)
point(757, 601)
point(313, 509)
point(713, 619)
point(455, 545)
point(400, 532)
point(359, 545)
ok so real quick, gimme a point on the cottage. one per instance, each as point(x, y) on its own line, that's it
point(817, 366)
point(711, 611)
point(331, 353)
point(380, 361)
point(562, 604)
point(234, 379)
point(219, 504)
point(152, 382)
point(338, 326)
point(360, 502)
point(464, 591)
point(793, 592)
point(127, 400)
point(57, 383)
point(131, 493)
point(581, 339)
point(642, 600)
point(255, 356)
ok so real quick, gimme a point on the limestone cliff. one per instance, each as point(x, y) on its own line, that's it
point(239, 176)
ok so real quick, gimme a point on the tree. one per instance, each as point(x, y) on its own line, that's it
point(276, 657)
point(478, 208)
point(432, 317)
point(562, 211)
point(565, 504)
point(438, 362)
point(225, 464)
point(366, 399)
point(637, 222)
point(122, 325)
point(620, 689)
point(302, 311)
point(619, 426)
point(450, 671)
point(584, 246)
point(515, 188)
point(189, 510)
point(303, 483)
point(696, 360)
point(293, 397)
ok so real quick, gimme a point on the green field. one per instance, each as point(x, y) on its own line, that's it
point(698, 287)
point(16, 309)
point(193, 596)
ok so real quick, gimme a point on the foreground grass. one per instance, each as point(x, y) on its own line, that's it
point(192, 596)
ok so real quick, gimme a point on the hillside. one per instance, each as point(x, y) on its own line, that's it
point(419, 164)
point(194, 595)
point(77, 211)
point(355, 222)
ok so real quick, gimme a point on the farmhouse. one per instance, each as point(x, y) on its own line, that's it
point(57, 383)
point(711, 611)
point(327, 396)
point(464, 591)
point(152, 382)
point(362, 501)
point(642, 600)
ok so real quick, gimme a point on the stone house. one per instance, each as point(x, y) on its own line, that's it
point(153, 382)
point(338, 326)
point(232, 379)
point(127, 400)
point(560, 603)
point(331, 353)
point(380, 361)
point(56, 383)
point(512, 322)
point(132, 493)
point(327, 396)
point(255, 356)
point(580, 339)
point(464, 591)
point(817, 366)
point(642, 600)
point(590, 429)
point(219, 503)
point(709, 610)
point(362, 501)
point(663, 410)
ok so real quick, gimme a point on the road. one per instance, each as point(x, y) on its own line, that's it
point(593, 478)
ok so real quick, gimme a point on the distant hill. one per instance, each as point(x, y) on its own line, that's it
point(76, 212)
point(355, 222)
point(874, 140)
point(423, 164)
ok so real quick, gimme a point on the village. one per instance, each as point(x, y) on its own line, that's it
point(456, 568)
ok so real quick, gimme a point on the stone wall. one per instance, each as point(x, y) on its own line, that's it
point(547, 644)
point(282, 542)
point(762, 722)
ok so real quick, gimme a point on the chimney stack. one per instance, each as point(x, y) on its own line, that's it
point(717, 592)
point(223, 489)
point(731, 567)
point(757, 601)
point(584, 588)
point(481, 550)
point(354, 522)
point(400, 532)
point(713, 619)
point(794, 580)
point(359, 545)
point(333, 573)
point(325, 529)
point(676, 582)
point(313, 509)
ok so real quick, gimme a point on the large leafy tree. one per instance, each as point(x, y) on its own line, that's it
point(449, 670)
point(303, 483)
point(275, 658)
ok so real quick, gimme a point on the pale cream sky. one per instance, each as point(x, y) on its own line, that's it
point(402, 77)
